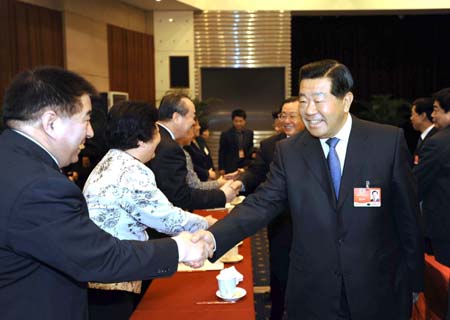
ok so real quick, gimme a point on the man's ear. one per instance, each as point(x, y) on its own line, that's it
point(176, 117)
point(49, 122)
point(347, 100)
point(422, 116)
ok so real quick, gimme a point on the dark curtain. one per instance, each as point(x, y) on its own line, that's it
point(403, 56)
point(30, 36)
point(131, 63)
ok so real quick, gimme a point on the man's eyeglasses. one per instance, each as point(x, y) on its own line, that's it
point(284, 116)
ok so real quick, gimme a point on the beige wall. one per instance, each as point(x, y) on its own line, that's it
point(85, 31)
point(174, 38)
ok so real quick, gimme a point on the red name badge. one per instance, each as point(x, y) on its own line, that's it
point(367, 197)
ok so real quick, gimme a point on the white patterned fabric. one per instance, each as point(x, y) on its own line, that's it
point(123, 200)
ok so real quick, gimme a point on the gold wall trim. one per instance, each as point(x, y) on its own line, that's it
point(242, 39)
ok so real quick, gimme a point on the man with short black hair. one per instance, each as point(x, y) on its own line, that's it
point(433, 177)
point(433, 172)
point(279, 230)
point(350, 258)
point(422, 121)
point(236, 144)
point(49, 248)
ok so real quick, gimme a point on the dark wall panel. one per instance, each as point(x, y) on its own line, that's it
point(404, 56)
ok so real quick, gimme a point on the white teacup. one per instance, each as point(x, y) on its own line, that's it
point(231, 254)
point(227, 285)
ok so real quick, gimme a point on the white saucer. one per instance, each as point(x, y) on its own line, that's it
point(236, 258)
point(240, 243)
point(238, 294)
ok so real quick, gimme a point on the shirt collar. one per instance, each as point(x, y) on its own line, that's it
point(344, 133)
point(168, 130)
point(427, 130)
point(37, 142)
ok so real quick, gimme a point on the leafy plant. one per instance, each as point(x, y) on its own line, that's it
point(384, 109)
point(202, 108)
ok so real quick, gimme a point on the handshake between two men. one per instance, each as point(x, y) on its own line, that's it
point(195, 248)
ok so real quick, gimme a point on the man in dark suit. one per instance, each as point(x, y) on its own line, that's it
point(49, 248)
point(349, 259)
point(279, 231)
point(236, 144)
point(176, 118)
point(433, 177)
point(433, 172)
point(422, 121)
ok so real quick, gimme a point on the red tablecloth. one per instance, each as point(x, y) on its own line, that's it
point(176, 297)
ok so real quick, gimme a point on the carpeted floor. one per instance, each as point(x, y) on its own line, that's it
point(260, 259)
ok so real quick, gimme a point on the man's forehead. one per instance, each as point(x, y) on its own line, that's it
point(290, 106)
point(436, 104)
point(86, 105)
point(315, 87)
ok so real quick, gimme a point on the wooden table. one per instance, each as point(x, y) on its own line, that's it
point(176, 297)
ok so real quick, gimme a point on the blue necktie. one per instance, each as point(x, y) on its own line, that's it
point(334, 165)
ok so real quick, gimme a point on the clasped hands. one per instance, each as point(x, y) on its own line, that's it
point(195, 248)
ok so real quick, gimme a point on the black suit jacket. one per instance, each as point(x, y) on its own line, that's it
point(279, 230)
point(229, 150)
point(375, 251)
point(204, 146)
point(257, 171)
point(416, 155)
point(169, 167)
point(433, 177)
point(200, 159)
point(49, 248)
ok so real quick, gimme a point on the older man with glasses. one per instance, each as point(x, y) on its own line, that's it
point(280, 229)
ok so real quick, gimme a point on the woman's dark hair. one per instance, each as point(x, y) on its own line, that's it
point(130, 122)
point(203, 127)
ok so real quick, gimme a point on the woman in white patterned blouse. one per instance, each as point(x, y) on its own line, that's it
point(124, 200)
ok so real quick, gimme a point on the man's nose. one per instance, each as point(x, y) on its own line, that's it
point(90, 131)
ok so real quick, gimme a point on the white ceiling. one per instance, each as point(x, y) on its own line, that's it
point(292, 5)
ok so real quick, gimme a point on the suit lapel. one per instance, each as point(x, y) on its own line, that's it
point(315, 160)
point(356, 148)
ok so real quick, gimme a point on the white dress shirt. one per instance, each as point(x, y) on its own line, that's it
point(341, 148)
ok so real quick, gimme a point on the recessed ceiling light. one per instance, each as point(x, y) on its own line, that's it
point(170, 20)
point(158, 0)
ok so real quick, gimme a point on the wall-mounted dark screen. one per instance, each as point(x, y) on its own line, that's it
point(179, 72)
